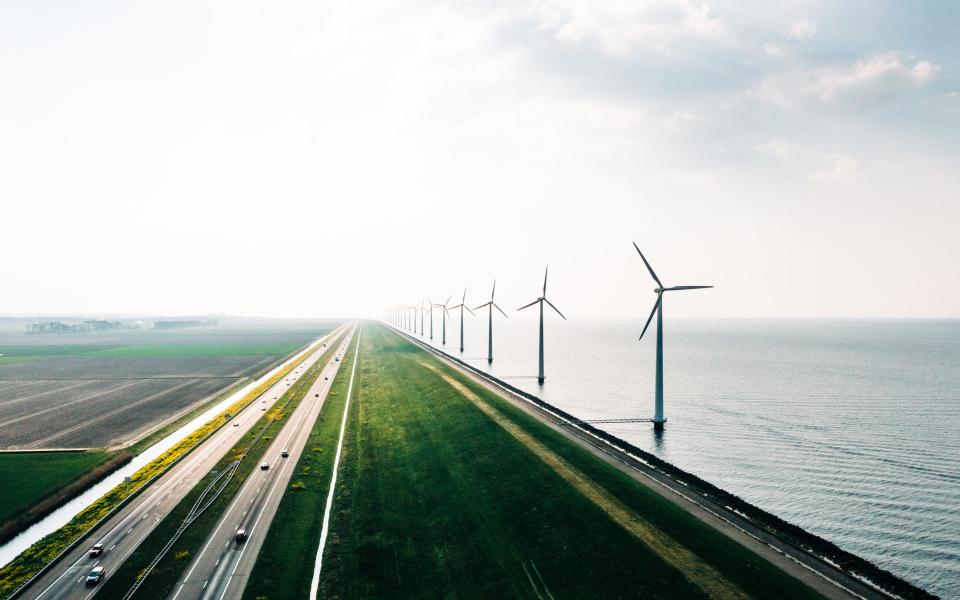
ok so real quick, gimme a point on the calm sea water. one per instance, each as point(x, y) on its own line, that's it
point(848, 428)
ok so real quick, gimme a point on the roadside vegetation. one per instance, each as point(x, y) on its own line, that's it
point(447, 490)
point(28, 477)
point(284, 566)
point(31, 561)
point(161, 581)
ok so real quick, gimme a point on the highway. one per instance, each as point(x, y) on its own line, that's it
point(126, 530)
point(223, 565)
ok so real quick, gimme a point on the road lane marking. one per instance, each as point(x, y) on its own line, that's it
point(315, 582)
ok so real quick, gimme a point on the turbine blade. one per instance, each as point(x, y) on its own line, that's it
point(448, 300)
point(468, 309)
point(649, 268)
point(500, 309)
point(494, 290)
point(529, 305)
point(652, 312)
point(687, 287)
point(545, 280)
point(554, 308)
point(464, 295)
point(482, 305)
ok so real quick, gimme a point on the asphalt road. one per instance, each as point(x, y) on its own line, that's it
point(817, 573)
point(124, 532)
point(223, 565)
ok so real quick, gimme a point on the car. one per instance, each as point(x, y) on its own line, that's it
point(96, 575)
point(263, 408)
point(284, 453)
point(237, 424)
point(316, 395)
point(241, 535)
point(325, 378)
point(96, 550)
point(264, 466)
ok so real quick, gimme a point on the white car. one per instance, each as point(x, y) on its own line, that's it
point(96, 575)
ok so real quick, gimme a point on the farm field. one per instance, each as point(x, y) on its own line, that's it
point(39, 474)
point(105, 390)
point(448, 490)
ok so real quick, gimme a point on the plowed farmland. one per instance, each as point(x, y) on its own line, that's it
point(106, 390)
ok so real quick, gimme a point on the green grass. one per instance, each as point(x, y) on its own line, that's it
point(285, 563)
point(165, 575)
point(435, 499)
point(28, 477)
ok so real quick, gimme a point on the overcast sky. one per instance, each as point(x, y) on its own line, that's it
point(328, 159)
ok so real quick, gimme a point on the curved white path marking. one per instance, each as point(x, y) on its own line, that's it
point(315, 582)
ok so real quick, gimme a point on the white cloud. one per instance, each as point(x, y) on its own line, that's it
point(865, 82)
point(621, 25)
point(776, 148)
point(773, 49)
point(803, 30)
point(842, 169)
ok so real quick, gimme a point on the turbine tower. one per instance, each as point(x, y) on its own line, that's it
point(462, 306)
point(490, 306)
point(430, 304)
point(540, 301)
point(658, 418)
point(423, 312)
point(443, 318)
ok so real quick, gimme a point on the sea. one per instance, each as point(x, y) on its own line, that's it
point(847, 428)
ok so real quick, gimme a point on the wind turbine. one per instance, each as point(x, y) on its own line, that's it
point(490, 306)
point(430, 304)
point(462, 306)
point(423, 312)
point(443, 318)
point(540, 301)
point(658, 418)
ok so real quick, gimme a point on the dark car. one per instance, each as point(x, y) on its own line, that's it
point(241, 535)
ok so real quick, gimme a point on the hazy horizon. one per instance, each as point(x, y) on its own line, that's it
point(314, 160)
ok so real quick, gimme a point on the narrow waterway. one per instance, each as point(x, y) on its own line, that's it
point(62, 515)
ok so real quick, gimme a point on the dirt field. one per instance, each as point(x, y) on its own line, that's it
point(103, 390)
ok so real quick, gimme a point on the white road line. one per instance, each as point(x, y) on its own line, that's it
point(315, 582)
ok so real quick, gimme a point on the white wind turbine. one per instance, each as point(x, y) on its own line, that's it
point(490, 306)
point(540, 301)
point(658, 418)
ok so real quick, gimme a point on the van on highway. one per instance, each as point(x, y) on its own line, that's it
point(264, 466)
point(96, 575)
point(96, 550)
point(241, 535)
point(285, 454)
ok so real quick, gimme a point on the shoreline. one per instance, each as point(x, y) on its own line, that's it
point(739, 513)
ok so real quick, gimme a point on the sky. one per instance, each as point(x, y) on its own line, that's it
point(330, 159)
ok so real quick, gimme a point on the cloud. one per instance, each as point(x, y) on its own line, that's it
point(843, 169)
point(803, 30)
point(866, 82)
point(773, 49)
point(776, 148)
point(619, 26)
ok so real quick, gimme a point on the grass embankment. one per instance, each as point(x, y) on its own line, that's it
point(448, 490)
point(28, 477)
point(161, 581)
point(284, 566)
point(31, 561)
